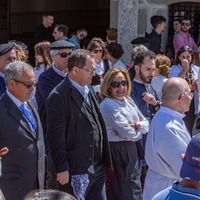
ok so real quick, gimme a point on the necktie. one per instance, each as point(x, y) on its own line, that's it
point(86, 93)
point(28, 115)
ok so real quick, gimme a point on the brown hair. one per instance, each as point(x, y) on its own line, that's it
point(112, 34)
point(20, 53)
point(78, 58)
point(43, 49)
point(163, 63)
point(94, 43)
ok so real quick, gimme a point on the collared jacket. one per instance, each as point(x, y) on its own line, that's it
point(69, 130)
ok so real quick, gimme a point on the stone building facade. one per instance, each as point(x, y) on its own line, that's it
point(132, 19)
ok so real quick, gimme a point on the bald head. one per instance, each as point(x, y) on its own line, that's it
point(176, 94)
point(173, 88)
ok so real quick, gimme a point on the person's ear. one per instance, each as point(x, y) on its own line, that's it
point(11, 84)
point(180, 97)
point(74, 70)
point(137, 68)
point(182, 156)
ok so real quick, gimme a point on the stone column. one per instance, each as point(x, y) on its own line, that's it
point(127, 26)
point(113, 13)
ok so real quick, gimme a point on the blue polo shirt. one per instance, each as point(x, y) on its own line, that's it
point(177, 192)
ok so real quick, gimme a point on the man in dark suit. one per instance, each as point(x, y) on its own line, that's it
point(49, 79)
point(7, 55)
point(76, 131)
point(23, 167)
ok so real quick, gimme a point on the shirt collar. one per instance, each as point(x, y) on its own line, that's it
point(16, 101)
point(59, 72)
point(2, 75)
point(171, 112)
point(84, 90)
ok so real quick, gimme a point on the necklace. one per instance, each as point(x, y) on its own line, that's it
point(189, 78)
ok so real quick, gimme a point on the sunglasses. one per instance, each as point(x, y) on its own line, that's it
point(64, 55)
point(184, 48)
point(116, 84)
point(28, 85)
point(96, 51)
point(82, 35)
point(185, 24)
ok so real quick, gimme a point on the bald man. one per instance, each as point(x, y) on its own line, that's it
point(167, 138)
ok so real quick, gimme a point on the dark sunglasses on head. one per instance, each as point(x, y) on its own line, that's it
point(116, 84)
point(183, 49)
point(64, 55)
point(185, 24)
point(28, 85)
point(96, 51)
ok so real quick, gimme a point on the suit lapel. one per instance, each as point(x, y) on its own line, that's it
point(16, 113)
point(77, 98)
point(80, 102)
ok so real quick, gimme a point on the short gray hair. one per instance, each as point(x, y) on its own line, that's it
point(15, 69)
point(54, 52)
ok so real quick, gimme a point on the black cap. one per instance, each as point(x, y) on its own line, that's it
point(140, 40)
point(4, 48)
point(61, 44)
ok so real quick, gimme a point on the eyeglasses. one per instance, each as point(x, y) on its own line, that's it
point(185, 24)
point(28, 85)
point(82, 36)
point(116, 84)
point(98, 50)
point(64, 55)
point(186, 93)
point(91, 71)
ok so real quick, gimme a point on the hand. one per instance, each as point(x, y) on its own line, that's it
point(193, 86)
point(63, 177)
point(149, 98)
point(185, 65)
point(135, 126)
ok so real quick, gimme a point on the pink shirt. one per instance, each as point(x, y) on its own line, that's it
point(183, 39)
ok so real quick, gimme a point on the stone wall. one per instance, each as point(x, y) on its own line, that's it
point(132, 18)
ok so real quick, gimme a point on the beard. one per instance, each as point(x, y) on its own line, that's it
point(184, 30)
point(143, 78)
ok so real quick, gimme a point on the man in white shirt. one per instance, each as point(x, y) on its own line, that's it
point(167, 138)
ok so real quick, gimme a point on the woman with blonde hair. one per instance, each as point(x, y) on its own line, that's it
point(163, 64)
point(43, 58)
point(20, 53)
point(125, 126)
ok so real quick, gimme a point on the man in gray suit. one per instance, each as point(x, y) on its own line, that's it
point(23, 167)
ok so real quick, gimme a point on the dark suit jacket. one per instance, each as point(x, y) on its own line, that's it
point(2, 86)
point(47, 81)
point(69, 130)
point(24, 166)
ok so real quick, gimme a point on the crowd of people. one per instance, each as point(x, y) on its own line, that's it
point(82, 125)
